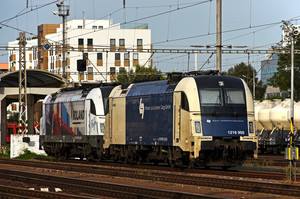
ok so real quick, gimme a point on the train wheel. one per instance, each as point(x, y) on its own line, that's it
point(172, 163)
point(191, 164)
point(179, 163)
point(139, 161)
point(156, 162)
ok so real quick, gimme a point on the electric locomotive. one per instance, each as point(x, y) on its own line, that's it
point(197, 118)
point(73, 122)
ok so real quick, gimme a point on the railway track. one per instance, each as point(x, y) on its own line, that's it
point(269, 160)
point(128, 171)
point(186, 178)
point(21, 193)
point(96, 188)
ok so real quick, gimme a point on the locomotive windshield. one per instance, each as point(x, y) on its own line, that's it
point(234, 96)
point(211, 97)
point(214, 97)
point(221, 96)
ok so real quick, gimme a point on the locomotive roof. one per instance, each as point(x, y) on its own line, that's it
point(202, 81)
point(147, 88)
point(209, 81)
point(68, 96)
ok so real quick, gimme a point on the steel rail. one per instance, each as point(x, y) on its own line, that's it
point(96, 187)
point(15, 192)
point(189, 178)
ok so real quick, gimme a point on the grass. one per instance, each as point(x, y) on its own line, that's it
point(28, 155)
point(5, 152)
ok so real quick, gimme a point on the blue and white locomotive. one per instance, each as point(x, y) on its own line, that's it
point(201, 119)
point(73, 122)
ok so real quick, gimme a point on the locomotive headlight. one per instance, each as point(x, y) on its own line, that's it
point(102, 127)
point(197, 127)
point(251, 127)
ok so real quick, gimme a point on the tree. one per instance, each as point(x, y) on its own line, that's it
point(140, 74)
point(246, 73)
point(13, 116)
point(282, 78)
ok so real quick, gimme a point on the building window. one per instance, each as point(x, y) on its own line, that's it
point(85, 56)
point(122, 42)
point(112, 73)
point(139, 42)
point(80, 42)
point(50, 50)
point(112, 70)
point(99, 56)
point(90, 42)
point(35, 53)
point(79, 27)
point(117, 56)
point(100, 27)
point(52, 63)
point(126, 56)
point(14, 107)
point(135, 56)
point(99, 59)
point(90, 70)
point(94, 27)
point(112, 42)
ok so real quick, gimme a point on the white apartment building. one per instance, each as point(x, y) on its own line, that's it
point(106, 47)
point(13, 55)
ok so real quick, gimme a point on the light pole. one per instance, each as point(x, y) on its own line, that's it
point(63, 11)
point(292, 153)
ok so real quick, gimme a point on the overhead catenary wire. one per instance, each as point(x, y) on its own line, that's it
point(178, 6)
point(192, 36)
point(31, 10)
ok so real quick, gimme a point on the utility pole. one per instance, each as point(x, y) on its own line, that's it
point(23, 121)
point(196, 61)
point(63, 11)
point(219, 35)
point(188, 66)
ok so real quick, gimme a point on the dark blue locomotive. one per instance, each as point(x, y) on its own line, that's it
point(200, 119)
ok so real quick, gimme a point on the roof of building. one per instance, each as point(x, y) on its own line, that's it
point(35, 78)
point(271, 89)
point(3, 66)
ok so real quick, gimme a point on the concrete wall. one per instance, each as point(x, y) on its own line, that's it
point(17, 145)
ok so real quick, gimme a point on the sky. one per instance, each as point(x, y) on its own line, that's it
point(174, 24)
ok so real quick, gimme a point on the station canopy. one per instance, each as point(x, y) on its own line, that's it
point(35, 78)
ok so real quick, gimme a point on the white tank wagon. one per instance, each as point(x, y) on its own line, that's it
point(280, 115)
point(280, 118)
point(263, 117)
point(297, 122)
point(297, 116)
point(257, 107)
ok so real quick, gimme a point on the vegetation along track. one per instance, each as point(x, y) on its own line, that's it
point(182, 177)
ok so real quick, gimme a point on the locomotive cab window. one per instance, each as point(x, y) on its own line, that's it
point(184, 102)
point(234, 96)
point(211, 97)
point(93, 108)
